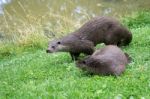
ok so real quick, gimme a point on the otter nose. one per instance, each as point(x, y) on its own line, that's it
point(47, 51)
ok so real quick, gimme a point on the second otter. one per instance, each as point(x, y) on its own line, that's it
point(109, 60)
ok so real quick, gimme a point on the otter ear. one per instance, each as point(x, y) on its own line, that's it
point(84, 62)
point(128, 57)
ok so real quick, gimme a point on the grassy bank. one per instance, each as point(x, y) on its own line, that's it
point(31, 36)
point(35, 74)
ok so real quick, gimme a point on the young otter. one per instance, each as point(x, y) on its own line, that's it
point(110, 60)
point(98, 30)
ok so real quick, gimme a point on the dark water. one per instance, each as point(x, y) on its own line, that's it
point(22, 17)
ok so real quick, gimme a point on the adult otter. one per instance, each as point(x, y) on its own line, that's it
point(71, 45)
point(109, 60)
point(98, 30)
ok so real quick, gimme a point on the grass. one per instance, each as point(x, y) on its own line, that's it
point(35, 74)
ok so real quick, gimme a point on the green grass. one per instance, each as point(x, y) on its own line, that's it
point(37, 74)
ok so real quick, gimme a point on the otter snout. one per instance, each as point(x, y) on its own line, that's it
point(48, 51)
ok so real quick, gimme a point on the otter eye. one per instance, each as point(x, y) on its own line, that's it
point(58, 42)
point(83, 62)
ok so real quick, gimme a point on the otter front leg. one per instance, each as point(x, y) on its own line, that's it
point(74, 56)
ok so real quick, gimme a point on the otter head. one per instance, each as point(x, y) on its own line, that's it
point(57, 46)
point(87, 63)
point(82, 64)
point(91, 64)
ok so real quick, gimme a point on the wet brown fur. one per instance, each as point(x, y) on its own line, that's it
point(109, 60)
point(104, 30)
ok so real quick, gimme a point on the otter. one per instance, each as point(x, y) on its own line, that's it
point(110, 60)
point(71, 45)
point(97, 30)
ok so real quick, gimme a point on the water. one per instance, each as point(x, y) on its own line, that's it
point(24, 17)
